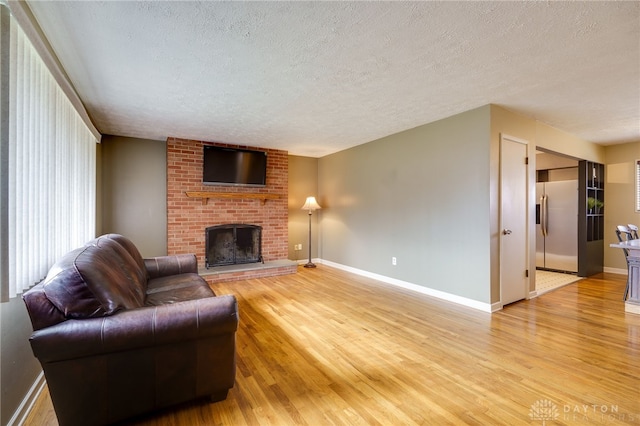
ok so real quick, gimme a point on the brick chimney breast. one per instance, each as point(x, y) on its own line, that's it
point(187, 218)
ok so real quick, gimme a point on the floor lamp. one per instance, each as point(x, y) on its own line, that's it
point(311, 205)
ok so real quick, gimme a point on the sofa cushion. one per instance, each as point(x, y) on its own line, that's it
point(177, 288)
point(87, 282)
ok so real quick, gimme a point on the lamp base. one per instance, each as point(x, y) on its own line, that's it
point(309, 265)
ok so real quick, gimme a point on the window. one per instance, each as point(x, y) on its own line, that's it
point(47, 166)
point(638, 186)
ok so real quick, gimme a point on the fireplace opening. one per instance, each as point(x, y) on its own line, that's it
point(233, 244)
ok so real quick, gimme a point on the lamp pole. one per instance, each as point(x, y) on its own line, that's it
point(310, 264)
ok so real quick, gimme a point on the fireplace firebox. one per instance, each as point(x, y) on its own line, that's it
point(233, 244)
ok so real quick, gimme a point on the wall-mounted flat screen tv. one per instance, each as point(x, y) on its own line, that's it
point(229, 166)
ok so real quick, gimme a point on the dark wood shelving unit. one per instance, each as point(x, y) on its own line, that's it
point(590, 218)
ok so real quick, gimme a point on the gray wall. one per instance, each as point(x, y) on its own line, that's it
point(134, 188)
point(19, 368)
point(422, 196)
point(303, 183)
point(619, 198)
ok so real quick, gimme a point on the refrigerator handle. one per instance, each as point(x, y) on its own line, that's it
point(544, 214)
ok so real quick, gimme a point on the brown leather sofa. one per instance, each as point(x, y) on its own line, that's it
point(118, 335)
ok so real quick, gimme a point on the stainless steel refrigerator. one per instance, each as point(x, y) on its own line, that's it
point(557, 225)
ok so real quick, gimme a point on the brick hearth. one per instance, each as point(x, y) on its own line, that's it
point(187, 217)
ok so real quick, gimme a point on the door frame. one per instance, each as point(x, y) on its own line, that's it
point(530, 165)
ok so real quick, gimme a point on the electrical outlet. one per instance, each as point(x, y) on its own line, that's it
point(394, 261)
point(297, 247)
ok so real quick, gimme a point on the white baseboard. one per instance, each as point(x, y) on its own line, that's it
point(631, 307)
point(615, 271)
point(485, 307)
point(495, 307)
point(20, 416)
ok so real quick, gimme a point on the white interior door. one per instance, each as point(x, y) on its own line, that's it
point(514, 283)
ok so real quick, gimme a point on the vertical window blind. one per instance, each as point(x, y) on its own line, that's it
point(51, 170)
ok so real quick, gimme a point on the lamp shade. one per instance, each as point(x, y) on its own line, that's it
point(311, 204)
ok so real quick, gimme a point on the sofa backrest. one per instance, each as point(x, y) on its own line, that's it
point(93, 281)
point(131, 249)
point(136, 273)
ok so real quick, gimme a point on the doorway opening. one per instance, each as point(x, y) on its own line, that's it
point(557, 203)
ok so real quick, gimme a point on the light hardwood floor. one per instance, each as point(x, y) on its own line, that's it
point(327, 347)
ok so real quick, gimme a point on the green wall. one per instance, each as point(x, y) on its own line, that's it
point(134, 191)
point(19, 369)
point(303, 183)
point(421, 196)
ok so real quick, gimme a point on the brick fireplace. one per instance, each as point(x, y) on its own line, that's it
point(188, 217)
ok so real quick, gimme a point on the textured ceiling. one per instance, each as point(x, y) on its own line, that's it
point(314, 78)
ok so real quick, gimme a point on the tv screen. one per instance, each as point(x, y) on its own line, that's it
point(228, 166)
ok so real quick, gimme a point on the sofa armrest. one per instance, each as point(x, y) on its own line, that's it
point(171, 265)
point(137, 328)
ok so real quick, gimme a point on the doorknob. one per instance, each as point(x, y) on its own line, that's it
point(506, 231)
